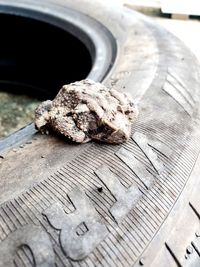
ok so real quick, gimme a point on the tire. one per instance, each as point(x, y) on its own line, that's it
point(102, 205)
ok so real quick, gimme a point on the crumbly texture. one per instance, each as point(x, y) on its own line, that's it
point(87, 110)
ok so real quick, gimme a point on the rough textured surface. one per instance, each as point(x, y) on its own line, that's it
point(87, 110)
point(16, 111)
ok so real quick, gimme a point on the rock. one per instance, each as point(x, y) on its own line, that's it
point(87, 110)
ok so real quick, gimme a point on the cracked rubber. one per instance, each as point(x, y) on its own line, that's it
point(126, 205)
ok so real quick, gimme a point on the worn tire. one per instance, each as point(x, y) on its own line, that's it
point(132, 204)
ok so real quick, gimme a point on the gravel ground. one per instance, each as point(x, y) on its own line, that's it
point(15, 112)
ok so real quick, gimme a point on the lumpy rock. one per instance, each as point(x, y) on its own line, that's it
point(87, 110)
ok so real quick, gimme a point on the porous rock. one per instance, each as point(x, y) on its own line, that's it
point(87, 110)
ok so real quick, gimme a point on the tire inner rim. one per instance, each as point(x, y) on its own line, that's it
point(41, 51)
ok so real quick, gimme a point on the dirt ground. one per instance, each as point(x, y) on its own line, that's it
point(15, 112)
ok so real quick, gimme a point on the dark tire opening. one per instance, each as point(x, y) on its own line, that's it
point(37, 58)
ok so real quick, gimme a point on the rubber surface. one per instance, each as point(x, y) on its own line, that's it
point(102, 205)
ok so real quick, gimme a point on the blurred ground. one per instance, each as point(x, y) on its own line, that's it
point(15, 112)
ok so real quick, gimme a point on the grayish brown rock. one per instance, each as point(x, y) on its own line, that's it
point(87, 110)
